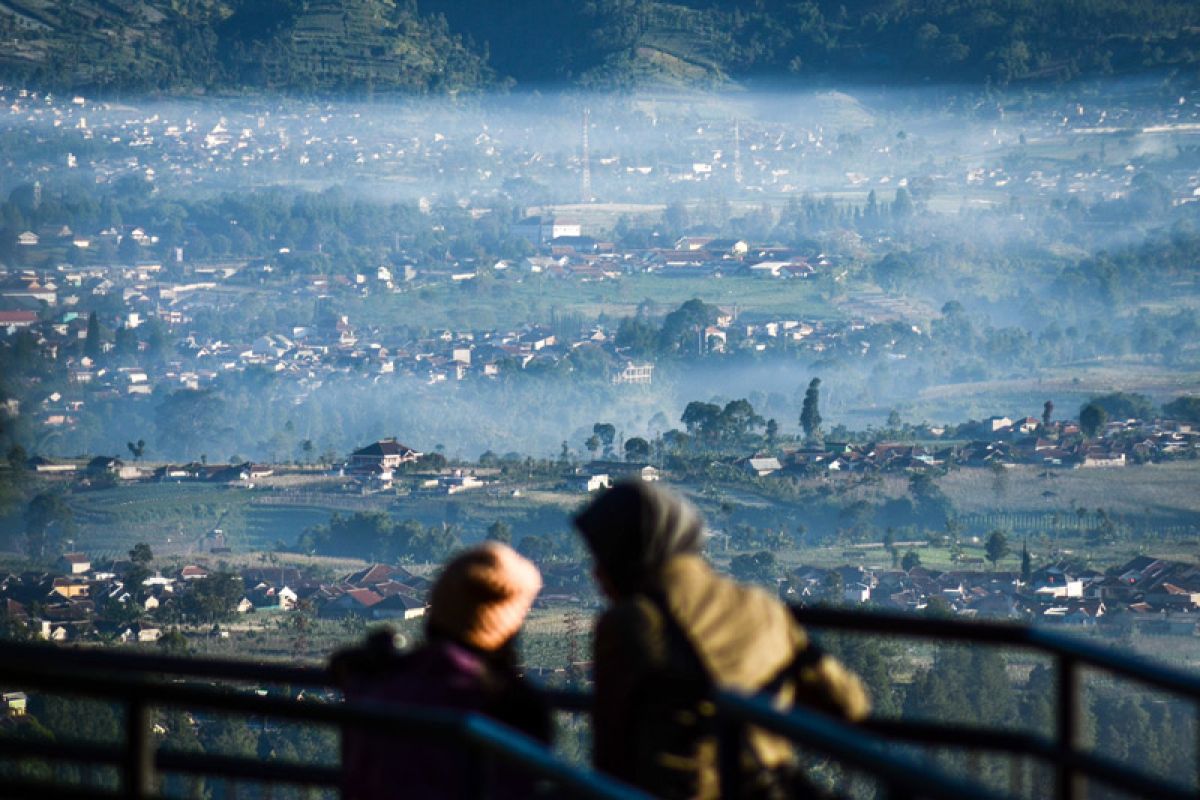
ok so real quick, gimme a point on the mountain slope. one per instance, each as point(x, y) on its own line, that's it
point(363, 46)
point(616, 42)
point(206, 45)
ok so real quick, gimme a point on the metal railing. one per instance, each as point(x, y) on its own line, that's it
point(137, 682)
point(1073, 765)
point(143, 682)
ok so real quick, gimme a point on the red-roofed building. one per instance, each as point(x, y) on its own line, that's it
point(13, 320)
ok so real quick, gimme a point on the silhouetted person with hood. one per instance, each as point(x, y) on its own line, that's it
point(467, 664)
point(674, 630)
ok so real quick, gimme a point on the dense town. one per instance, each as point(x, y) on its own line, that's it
point(191, 144)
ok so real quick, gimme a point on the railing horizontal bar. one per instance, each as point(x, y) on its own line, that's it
point(450, 726)
point(33, 654)
point(83, 752)
point(174, 761)
point(1004, 633)
point(853, 746)
point(18, 789)
point(1114, 773)
point(501, 740)
point(1133, 667)
point(935, 733)
point(568, 700)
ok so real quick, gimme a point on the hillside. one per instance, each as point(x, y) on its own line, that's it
point(319, 46)
point(366, 46)
point(617, 42)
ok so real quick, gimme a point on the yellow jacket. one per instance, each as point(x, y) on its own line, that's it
point(652, 726)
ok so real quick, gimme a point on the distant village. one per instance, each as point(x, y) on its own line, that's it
point(49, 305)
point(85, 600)
point(105, 602)
point(1145, 594)
point(193, 145)
point(55, 281)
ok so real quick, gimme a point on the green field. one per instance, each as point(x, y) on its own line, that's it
point(510, 303)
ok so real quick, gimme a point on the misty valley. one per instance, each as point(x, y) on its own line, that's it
point(268, 362)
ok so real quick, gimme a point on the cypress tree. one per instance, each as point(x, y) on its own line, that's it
point(810, 413)
point(91, 345)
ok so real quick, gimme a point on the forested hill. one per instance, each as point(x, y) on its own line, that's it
point(365, 46)
point(615, 42)
point(306, 46)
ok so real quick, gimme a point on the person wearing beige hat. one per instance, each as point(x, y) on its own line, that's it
point(467, 663)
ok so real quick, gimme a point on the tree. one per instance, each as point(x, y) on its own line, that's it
point(637, 449)
point(772, 431)
point(911, 560)
point(1091, 420)
point(141, 554)
point(1047, 410)
point(215, 597)
point(607, 432)
point(736, 420)
point(174, 643)
point(535, 548)
point(810, 413)
point(138, 449)
point(500, 531)
point(1126, 405)
point(1026, 563)
point(1185, 408)
point(996, 547)
point(592, 443)
point(125, 341)
point(47, 519)
point(702, 419)
point(682, 328)
point(761, 567)
point(91, 344)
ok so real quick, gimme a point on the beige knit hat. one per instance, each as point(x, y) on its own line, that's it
point(483, 595)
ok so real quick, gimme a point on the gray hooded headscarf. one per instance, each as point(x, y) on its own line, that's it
point(634, 528)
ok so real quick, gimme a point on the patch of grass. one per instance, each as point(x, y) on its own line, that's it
point(511, 302)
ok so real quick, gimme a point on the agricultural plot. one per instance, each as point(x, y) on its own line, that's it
point(511, 303)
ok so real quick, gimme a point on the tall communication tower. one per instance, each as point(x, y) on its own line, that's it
point(586, 182)
point(737, 153)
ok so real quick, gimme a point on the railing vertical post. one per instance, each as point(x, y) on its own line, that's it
point(137, 779)
point(1016, 776)
point(1069, 718)
point(478, 780)
point(730, 736)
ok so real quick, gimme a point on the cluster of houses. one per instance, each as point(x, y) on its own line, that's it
point(113, 467)
point(1146, 594)
point(996, 442)
point(224, 143)
point(81, 601)
point(333, 349)
point(562, 251)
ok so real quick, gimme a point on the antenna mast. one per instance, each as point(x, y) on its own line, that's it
point(586, 187)
point(737, 153)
